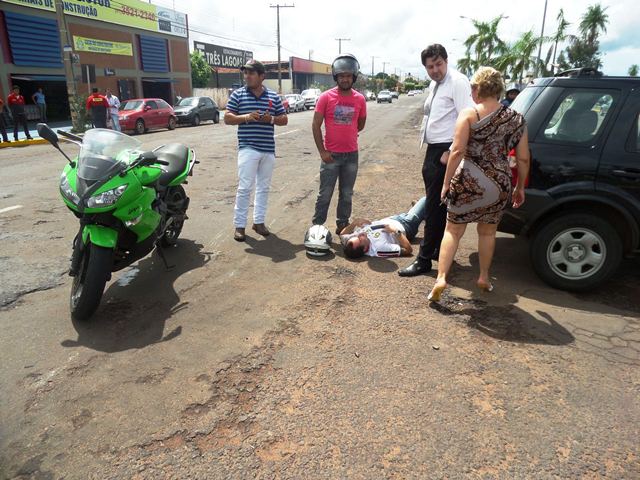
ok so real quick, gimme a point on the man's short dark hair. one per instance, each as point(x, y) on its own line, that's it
point(94, 90)
point(433, 51)
point(16, 87)
point(353, 252)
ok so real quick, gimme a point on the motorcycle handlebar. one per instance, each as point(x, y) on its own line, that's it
point(70, 136)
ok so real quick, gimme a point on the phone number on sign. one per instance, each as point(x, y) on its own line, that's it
point(134, 12)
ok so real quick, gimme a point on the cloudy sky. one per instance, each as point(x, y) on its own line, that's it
point(394, 32)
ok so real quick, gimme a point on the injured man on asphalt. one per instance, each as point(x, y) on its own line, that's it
point(388, 237)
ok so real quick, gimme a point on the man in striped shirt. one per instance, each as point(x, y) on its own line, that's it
point(255, 109)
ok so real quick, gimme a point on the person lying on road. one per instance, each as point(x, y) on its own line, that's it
point(389, 237)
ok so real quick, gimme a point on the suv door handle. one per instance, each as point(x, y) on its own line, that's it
point(626, 174)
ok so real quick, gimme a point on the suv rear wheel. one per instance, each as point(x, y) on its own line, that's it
point(576, 251)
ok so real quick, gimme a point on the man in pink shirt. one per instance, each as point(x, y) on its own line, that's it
point(344, 113)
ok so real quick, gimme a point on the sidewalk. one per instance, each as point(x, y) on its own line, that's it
point(22, 139)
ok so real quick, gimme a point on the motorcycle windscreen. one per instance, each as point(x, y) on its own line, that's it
point(104, 152)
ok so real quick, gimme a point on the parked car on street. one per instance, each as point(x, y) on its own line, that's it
point(394, 94)
point(285, 103)
point(582, 201)
point(369, 95)
point(194, 110)
point(311, 97)
point(411, 93)
point(384, 96)
point(296, 102)
point(144, 114)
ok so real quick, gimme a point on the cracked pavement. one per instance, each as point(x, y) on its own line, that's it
point(254, 361)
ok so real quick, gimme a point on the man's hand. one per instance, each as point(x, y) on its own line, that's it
point(444, 193)
point(389, 229)
point(253, 116)
point(266, 117)
point(444, 158)
point(326, 157)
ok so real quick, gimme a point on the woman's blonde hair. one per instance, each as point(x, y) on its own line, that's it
point(489, 83)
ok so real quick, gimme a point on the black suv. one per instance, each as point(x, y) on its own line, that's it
point(582, 206)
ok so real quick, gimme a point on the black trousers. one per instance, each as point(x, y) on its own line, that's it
point(3, 128)
point(435, 214)
point(20, 118)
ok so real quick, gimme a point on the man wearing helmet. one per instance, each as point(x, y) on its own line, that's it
point(389, 237)
point(344, 113)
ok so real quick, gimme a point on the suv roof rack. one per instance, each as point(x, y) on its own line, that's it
point(580, 72)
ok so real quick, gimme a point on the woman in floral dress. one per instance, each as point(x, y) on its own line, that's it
point(477, 183)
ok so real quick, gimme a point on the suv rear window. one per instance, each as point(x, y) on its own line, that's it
point(579, 116)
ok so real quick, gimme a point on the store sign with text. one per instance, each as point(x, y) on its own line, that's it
point(224, 57)
point(84, 44)
point(130, 13)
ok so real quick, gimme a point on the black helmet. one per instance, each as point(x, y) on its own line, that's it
point(345, 63)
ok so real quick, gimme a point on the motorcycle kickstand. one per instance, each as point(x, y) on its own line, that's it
point(164, 258)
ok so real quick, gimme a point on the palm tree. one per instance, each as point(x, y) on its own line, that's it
point(560, 36)
point(484, 43)
point(593, 22)
point(633, 70)
point(520, 57)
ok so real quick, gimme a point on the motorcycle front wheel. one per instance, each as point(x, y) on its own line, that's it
point(88, 284)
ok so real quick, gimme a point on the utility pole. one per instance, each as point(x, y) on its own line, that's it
point(373, 57)
point(65, 45)
point(340, 40)
point(384, 64)
point(278, 7)
point(544, 18)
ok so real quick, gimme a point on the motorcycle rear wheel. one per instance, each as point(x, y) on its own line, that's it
point(88, 284)
point(176, 195)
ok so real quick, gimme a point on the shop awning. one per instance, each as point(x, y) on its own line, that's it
point(160, 80)
point(40, 78)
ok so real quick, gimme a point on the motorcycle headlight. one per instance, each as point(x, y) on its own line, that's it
point(106, 198)
point(67, 191)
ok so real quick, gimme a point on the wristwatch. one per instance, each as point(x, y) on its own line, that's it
point(272, 119)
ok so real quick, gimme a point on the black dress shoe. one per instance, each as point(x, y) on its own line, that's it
point(419, 267)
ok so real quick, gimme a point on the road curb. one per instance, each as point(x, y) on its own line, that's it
point(23, 143)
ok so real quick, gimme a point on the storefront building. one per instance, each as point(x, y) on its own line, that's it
point(134, 48)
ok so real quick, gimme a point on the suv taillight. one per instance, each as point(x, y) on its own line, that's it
point(514, 169)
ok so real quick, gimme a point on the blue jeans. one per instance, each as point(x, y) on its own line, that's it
point(344, 169)
point(412, 219)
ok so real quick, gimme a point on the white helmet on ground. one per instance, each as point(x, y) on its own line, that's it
point(317, 241)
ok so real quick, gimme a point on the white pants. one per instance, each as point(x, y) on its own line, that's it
point(254, 169)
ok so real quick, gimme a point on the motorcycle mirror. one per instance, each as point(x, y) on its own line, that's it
point(148, 158)
point(49, 135)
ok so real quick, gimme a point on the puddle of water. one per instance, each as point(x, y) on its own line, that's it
point(127, 277)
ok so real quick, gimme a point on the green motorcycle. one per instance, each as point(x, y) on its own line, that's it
point(128, 202)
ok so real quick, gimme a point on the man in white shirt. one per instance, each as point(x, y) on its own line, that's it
point(389, 237)
point(450, 93)
point(114, 106)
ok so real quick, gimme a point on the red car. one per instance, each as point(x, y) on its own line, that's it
point(143, 114)
point(285, 103)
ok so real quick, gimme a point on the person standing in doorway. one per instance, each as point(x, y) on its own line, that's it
point(98, 108)
point(114, 106)
point(450, 94)
point(344, 113)
point(16, 105)
point(256, 110)
point(40, 100)
point(3, 127)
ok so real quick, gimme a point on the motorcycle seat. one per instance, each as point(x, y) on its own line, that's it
point(177, 155)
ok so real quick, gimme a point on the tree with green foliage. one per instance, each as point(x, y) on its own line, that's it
point(633, 70)
point(584, 50)
point(559, 36)
point(484, 47)
point(200, 70)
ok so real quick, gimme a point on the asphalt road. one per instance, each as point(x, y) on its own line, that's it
point(253, 361)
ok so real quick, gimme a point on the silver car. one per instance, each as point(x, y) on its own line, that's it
point(296, 102)
point(311, 97)
point(384, 96)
